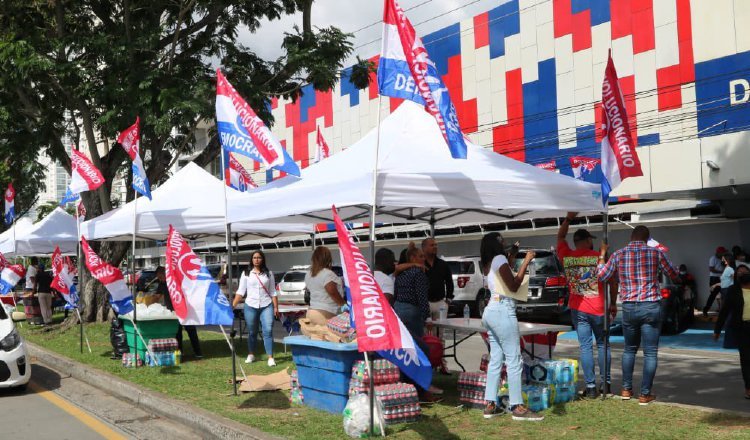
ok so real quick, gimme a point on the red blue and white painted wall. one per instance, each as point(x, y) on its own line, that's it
point(526, 79)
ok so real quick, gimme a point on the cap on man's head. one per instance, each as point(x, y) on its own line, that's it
point(721, 250)
point(581, 235)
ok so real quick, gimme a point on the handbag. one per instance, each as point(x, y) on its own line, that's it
point(522, 294)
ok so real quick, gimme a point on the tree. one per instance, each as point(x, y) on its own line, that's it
point(45, 209)
point(87, 68)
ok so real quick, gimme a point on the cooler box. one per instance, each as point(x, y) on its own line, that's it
point(150, 329)
point(324, 370)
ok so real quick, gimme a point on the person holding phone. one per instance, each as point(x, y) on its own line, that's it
point(499, 318)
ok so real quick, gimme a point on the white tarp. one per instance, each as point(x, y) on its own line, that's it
point(193, 202)
point(57, 229)
point(417, 179)
point(7, 238)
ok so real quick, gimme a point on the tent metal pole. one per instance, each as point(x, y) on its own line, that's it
point(228, 242)
point(132, 285)
point(605, 238)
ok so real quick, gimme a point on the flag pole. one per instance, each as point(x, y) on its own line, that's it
point(78, 263)
point(242, 370)
point(605, 239)
point(133, 283)
point(228, 242)
point(83, 335)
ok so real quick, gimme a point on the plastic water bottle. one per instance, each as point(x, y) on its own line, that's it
point(467, 314)
point(443, 312)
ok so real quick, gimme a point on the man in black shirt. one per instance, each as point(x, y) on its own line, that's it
point(44, 293)
point(161, 289)
point(439, 274)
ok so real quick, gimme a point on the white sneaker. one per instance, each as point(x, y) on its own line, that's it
point(271, 362)
point(250, 359)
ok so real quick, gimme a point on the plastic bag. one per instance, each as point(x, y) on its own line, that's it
point(117, 338)
point(357, 417)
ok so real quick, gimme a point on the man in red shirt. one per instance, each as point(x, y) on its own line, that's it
point(586, 302)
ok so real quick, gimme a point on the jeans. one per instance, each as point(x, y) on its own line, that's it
point(590, 327)
point(505, 346)
point(744, 348)
point(265, 316)
point(641, 324)
point(411, 316)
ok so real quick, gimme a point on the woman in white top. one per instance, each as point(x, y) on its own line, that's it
point(326, 288)
point(258, 290)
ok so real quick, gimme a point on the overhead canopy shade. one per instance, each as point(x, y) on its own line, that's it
point(417, 181)
point(57, 229)
point(7, 238)
point(193, 202)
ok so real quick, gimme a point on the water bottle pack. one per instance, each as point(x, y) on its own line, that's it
point(295, 393)
point(129, 360)
point(484, 362)
point(472, 381)
point(402, 414)
point(384, 372)
point(163, 358)
point(551, 372)
point(563, 393)
point(163, 344)
point(472, 398)
point(400, 401)
point(536, 397)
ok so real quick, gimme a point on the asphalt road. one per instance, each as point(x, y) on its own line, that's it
point(60, 407)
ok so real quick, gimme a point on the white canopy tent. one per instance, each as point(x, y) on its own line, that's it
point(417, 181)
point(7, 238)
point(192, 200)
point(57, 229)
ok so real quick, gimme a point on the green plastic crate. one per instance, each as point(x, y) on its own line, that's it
point(151, 329)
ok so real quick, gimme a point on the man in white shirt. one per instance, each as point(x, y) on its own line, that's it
point(31, 271)
point(715, 268)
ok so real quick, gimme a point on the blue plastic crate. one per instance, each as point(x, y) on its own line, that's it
point(330, 402)
point(323, 354)
point(324, 380)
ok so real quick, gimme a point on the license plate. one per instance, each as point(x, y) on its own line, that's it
point(535, 293)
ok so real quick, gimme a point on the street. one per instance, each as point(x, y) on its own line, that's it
point(55, 406)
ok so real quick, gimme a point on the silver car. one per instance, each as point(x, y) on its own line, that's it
point(292, 286)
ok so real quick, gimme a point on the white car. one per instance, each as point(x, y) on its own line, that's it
point(291, 290)
point(15, 369)
point(470, 286)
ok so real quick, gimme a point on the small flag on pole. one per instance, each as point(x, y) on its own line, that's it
point(62, 278)
point(119, 295)
point(583, 166)
point(321, 151)
point(84, 175)
point(550, 166)
point(10, 204)
point(10, 276)
point(235, 175)
point(130, 140)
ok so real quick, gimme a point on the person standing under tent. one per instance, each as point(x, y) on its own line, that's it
point(500, 319)
point(637, 266)
point(257, 289)
point(325, 287)
point(30, 300)
point(726, 281)
point(735, 313)
point(440, 277)
point(385, 266)
point(163, 290)
point(586, 302)
point(44, 293)
point(31, 271)
point(715, 269)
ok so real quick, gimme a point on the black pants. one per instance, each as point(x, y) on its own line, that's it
point(714, 292)
point(744, 348)
point(193, 335)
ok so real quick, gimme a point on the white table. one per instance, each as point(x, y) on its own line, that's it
point(475, 326)
point(293, 310)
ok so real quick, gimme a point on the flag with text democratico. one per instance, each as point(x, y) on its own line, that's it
point(83, 174)
point(241, 131)
point(196, 297)
point(406, 71)
point(235, 175)
point(378, 327)
point(130, 140)
point(62, 278)
point(10, 276)
point(119, 294)
point(619, 157)
point(583, 166)
point(321, 151)
point(10, 204)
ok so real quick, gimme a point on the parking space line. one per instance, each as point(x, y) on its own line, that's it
point(95, 425)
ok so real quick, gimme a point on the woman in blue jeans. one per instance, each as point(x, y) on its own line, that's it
point(499, 318)
point(257, 289)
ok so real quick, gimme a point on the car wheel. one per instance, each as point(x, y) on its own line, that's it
point(674, 322)
point(21, 388)
point(483, 298)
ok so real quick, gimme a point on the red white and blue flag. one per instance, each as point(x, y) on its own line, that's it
point(196, 297)
point(619, 157)
point(119, 294)
point(63, 272)
point(3, 262)
point(583, 166)
point(241, 131)
point(235, 175)
point(378, 327)
point(406, 71)
point(550, 166)
point(321, 151)
point(10, 204)
point(655, 244)
point(130, 140)
point(84, 176)
point(10, 276)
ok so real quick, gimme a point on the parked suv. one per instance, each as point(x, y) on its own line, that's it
point(548, 289)
point(291, 289)
point(470, 286)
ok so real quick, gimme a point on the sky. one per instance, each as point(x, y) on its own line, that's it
point(363, 18)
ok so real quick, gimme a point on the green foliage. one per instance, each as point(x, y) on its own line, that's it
point(45, 209)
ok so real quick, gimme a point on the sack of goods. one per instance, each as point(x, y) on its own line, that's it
point(471, 387)
point(399, 401)
point(340, 325)
point(295, 393)
point(129, 360)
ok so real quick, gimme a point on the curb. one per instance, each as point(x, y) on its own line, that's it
point(207, 424)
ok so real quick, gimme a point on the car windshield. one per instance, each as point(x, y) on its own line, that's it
point(545, 263)
point(461, 267)
point(294, 277)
